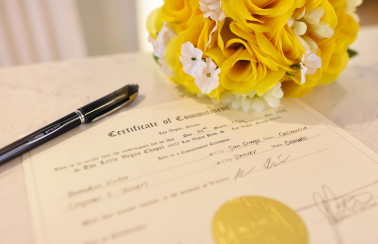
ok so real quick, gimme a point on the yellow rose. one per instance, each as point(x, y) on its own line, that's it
point(180, 13)
point(339, 6)
point(248, 61)
point(260, 15)
point(335, 49)
point(287, 45)
point(242, 73)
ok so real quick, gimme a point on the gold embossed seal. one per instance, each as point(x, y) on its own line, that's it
point(258, 220)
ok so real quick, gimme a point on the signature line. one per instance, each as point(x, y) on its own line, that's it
point(307, 155)
point(199, 171)
point(142, 176)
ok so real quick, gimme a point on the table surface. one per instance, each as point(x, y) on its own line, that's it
point(35, 95)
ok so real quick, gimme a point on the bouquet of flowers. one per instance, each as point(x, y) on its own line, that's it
point(251, 53)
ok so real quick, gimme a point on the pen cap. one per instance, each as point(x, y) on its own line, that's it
point(108, 104)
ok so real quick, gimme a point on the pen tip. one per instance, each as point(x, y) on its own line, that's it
point(133, 88)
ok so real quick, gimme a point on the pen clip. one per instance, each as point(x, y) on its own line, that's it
point(131, 97)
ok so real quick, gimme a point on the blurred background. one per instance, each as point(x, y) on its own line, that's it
point(34, 31)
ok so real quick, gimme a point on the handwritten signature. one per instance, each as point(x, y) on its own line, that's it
point(241, 173)
point(269, 163)
point(337, 209)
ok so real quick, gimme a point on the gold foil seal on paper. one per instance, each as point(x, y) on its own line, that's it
point(258, 220)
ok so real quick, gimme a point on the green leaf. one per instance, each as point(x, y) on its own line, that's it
point(297, 66)
point(290, 75)
point(156, 59)
point(352, 53)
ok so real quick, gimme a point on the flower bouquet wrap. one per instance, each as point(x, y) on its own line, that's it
point(251, 53)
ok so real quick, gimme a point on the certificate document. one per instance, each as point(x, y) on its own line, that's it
point(190, 172)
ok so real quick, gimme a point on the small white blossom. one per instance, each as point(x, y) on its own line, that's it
point(310, 63)
point(322, 30)
point(212, 9)
point(298, 27)
point(273, 96)
point(160, 47)
point(309, 22)
point(246, 105)
point(210, 77)
point(227, 98)
point(313, 16)
point(191, 60)
point(319, 29)
point(161, 42)
point(303, 74)
point(258, 104)
point(167, 70)
point(252, 102)
point(237, 103)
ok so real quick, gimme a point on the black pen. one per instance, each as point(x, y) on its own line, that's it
point(87, 114)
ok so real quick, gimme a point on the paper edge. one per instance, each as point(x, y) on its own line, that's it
point(338, 130)
point(32, 196)
point(31, 188)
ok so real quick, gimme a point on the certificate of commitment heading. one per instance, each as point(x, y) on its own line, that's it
point(190, 172)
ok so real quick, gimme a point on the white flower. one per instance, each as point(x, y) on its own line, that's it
point(167, 70)
point(191, 60)
point(313, 16)
point(212, 9)
point(227, 98)
point(161, 42)
point(210, 77)
point(258, 104)
point(160, 46)
point(273, 96)
point(252, 102)
point(298, 27)
point(310, 63)
point(303, 74)
point(322, 30)
point(309, 21)
point(319, 29)
point(351, 7)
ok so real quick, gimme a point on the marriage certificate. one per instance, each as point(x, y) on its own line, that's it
point(190, 172)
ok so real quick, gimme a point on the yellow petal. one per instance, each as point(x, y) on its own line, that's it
point(271, 78)
point(292, 89)
point(154, 23)
point(267, 47)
